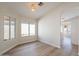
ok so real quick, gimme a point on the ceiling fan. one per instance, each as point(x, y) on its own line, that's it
point(40, 3)
point(34, 6)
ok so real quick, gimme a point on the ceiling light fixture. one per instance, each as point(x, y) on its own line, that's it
point(34, 6)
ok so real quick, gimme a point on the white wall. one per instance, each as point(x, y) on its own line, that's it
point(49, 25)
point(49, 28)
point(6, 45)
point(75, 30)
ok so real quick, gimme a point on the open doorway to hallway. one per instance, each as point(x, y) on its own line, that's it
point(66, 34)
point(66, 39)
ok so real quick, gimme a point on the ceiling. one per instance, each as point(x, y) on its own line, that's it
point(24, 9)
point(70, 9)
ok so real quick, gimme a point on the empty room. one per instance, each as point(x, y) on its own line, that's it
point(39, 28)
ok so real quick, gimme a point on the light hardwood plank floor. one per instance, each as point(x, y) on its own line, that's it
point(41, 49)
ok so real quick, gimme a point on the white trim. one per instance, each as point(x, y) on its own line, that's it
point(54, 45)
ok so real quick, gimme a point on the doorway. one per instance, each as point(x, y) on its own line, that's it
point(66, 41)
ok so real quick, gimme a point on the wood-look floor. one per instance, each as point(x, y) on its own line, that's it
point(41, 49)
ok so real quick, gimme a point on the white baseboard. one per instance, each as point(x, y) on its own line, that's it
point(54, 45)
point(26, 41)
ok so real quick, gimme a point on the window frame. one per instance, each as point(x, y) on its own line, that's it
point(28, 29)
point(9, 19)
point(34, 29)
point(24, 35)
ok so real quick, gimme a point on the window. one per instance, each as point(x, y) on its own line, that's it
point(27, 29)
point(6, 29)
point(32, 29)
point(9, 29)
point(24, 29)
point(12, 29)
